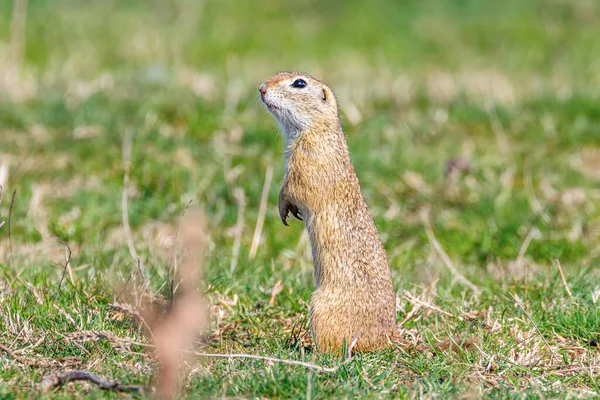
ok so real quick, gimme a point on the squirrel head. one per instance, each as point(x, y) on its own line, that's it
point(298, 102)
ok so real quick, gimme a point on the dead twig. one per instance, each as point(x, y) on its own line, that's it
point(443, 255)
point(60, 378)
point(554, 355)
point(262, 210)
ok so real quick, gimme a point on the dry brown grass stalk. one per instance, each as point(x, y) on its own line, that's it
point(310, 366)
point(132, 311)
point(231, 356)
point(262, 210)
point(177, 332)
point(13, 355)
point(424, 214)
point(521, 255)
point(1, 196)
point(498, 130)
point(173, 258)
point(554, 355)
point(422, 303)
point(240, 199)
point(275, 292)
point(66, 268)
point(127, 146)
point(122, 345)
point(563, 279)
point(10, 243)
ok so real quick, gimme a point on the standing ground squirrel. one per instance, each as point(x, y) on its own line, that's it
point(354, 297)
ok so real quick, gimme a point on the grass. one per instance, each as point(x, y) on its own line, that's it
point(510, 87)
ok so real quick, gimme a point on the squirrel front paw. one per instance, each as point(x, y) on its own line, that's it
point(286, 207)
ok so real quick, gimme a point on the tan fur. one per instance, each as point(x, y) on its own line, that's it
point(354, 296)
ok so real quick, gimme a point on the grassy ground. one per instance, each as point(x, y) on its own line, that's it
point(511, 88)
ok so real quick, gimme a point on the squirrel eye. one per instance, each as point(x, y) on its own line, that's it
point(299, 83)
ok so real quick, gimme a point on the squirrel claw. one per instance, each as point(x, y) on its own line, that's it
point(296, 214)
point(283, 213)
point(285, 209)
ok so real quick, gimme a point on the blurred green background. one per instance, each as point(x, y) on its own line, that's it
point(553, 38)
point(510, 89)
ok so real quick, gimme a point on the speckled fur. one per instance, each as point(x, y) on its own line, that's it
point(354, 296)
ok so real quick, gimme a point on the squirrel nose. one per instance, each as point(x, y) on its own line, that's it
point(262, 89)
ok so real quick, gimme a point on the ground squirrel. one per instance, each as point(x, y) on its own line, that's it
point(354, 297)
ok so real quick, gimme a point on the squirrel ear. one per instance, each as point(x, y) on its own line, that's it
point(324, 98)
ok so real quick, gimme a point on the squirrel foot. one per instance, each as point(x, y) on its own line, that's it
point(286, 207)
